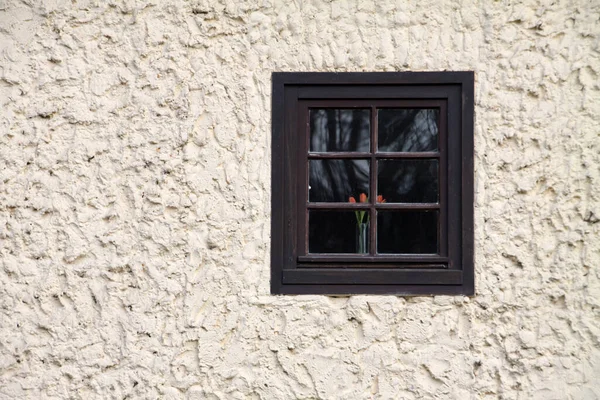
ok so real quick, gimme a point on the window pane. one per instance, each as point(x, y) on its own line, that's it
point(338, 231)
point(407, 129)
point(408, 181)
point(340, 130)
point(407, 232)
point(337, 180)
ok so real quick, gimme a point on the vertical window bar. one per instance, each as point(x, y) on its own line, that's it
point(303, 113)
point(443, 179)
point(373, 184)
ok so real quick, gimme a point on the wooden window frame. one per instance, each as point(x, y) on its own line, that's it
point(293, 271)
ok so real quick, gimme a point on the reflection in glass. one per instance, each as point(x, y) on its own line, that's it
point(408, 181)
point(407, 129)
point(340, 130)
point(407, 232)
point(337, 180)
point(333, 232)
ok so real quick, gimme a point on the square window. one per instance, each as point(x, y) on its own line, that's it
point(372, 183)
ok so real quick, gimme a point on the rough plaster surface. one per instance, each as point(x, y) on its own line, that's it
point(135, 189)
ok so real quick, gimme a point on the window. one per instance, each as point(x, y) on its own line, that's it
point(372, 183)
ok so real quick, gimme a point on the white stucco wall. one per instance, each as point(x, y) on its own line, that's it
point(135, 203)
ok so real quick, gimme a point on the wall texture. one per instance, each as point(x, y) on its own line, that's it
point(135, 203)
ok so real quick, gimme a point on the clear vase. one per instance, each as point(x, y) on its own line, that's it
point(362, 242)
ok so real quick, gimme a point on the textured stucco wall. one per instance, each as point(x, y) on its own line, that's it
point(135, 190)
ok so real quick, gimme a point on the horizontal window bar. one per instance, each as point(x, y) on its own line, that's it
point(407, 206)
point(416, 154)
point(331, 276)
point(379, 206)
point(357, 265)
point(377, 103)
point(395, 259)
point(338, 154)
point(377, 92)
point(396, 290)
point(357, 155)
point(425, 79)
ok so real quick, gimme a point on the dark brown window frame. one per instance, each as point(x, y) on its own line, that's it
point(293, 271)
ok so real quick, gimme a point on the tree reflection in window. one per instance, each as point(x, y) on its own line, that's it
point(408, 181)
point(336, 180)
point(339, 130)
point(407, 130)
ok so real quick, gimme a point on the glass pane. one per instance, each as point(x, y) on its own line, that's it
point(407, 129)
point(340, 130)
point(407, 232)
point(408, 181)
point(338, 231)
point(337, 180)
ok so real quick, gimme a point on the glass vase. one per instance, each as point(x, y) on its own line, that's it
point(362, 232)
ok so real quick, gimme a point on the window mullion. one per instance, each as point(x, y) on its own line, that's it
point(443, 179)
point(373, 184)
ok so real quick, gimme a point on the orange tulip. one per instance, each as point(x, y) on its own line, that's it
point(360, 214)
point(380, 199)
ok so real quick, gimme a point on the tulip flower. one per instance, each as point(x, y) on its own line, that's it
point(360, 215)
point(362, 221)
